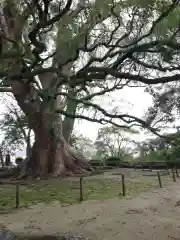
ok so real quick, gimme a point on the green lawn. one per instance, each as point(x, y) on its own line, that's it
point(67, 191)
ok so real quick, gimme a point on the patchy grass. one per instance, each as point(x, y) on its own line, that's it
point(66, 191)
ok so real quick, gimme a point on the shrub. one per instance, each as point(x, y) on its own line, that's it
point(113, 161)
point(95, 163)
point(19, 160)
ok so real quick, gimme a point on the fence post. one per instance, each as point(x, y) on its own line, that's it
point(81, 189)
point(159, 179)
point(174, 177)
point(123, 185)
point(150, 167)
point(177, 174)
point(17, 194)
point(167, 169)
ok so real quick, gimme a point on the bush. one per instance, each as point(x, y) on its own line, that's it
point(113, 161)
point(19, 160)
point(95, 163)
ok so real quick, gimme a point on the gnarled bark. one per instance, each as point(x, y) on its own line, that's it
point(51, 154)
point(28, 143)
point(55, 158)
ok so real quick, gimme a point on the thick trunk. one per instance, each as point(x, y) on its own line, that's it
point(55, 158)
point(51, 154)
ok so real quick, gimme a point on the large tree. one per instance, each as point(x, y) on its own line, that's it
point(58, 55)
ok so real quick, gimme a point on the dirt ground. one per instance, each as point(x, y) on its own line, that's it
point(153, 215)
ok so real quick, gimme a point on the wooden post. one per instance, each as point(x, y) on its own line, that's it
point(173, 174)
point(81, 189)
point(159, 179)
point(123, 185)
point(17, 195)
point(150, 167)
point(167, 169)
point(177, 174)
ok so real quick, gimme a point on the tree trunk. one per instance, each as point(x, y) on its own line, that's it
point(28, 143)
point(8, 160)
point(2, 159)
point(51, 154)
point(68, 123)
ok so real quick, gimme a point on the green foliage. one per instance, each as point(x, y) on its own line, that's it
point(162, 149)
point(83, 144)
point(112, 141)
point(14, 126)
point(113, 158)
point(164, 28)
point(19, 160)
point(113, 161)
point(96, 163)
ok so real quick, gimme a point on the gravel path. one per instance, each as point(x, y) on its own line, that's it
point(154, 215)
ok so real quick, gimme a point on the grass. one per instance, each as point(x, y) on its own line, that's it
point(67, 191)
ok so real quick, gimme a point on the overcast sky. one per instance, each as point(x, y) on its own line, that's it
point(132, 100)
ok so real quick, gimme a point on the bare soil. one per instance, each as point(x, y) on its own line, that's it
point(154, 215)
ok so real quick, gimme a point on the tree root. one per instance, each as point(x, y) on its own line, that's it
point(69, 163)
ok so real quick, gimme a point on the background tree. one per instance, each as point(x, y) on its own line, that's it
point(15, 130)
point(93, 44)
point(113, 141)
point(165, 148)
point(83, 144)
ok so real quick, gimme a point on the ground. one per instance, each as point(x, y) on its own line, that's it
point(147, 215)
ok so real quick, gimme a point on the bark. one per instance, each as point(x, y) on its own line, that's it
point(68, 123)
point(2, 159)
point(28, 143)
point(8, 160)
point(51, 154)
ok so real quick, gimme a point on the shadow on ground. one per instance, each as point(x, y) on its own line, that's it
point(8, 235)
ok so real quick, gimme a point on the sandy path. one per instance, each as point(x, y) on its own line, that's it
point(154, 215)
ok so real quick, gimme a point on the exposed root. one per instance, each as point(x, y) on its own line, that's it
point(59, 170)
point(66, 162)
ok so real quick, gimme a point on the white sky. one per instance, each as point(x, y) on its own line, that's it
point(136, 104)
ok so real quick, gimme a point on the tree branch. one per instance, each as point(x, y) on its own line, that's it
point(102, 72)
point(5, 89)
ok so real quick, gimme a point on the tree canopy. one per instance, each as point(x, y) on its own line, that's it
point(107, 43)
